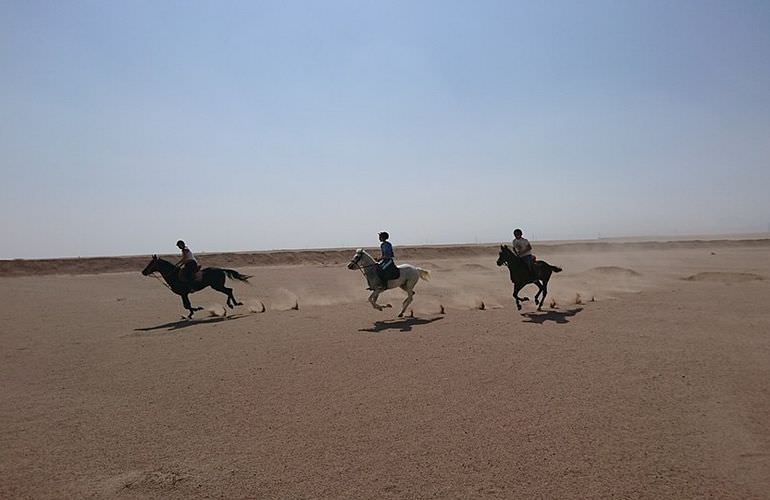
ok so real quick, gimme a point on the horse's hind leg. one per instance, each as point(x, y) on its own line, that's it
point(545, 292)
point(539, 292)
point(232, 296)
point(407, 301)
point(231, 302)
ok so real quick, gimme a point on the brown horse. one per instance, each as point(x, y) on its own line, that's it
point(210, 276)
point(522, 276)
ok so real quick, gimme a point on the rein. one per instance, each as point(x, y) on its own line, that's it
point(359, 266)
point(363, 268)
point(162, 281)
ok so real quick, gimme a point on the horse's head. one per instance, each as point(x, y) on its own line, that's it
point(353, 264)
point(151, 267)
point(504, 256)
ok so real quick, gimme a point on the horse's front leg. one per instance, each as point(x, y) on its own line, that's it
point(519, 300)
point(188, 306)
point(373, 300)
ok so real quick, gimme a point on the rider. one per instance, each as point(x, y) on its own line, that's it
point(188, 263)
point(386, 257)
point(523, 249)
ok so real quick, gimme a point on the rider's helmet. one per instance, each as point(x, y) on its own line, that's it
point(383, 235)
point(180, 244)
point(517, 233)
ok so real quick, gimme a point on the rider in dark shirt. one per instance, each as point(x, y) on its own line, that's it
point(386, 257)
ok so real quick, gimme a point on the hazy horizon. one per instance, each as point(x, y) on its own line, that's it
point(245, 126)
point(545, 242)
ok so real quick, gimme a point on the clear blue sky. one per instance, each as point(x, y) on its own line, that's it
point(258, 125)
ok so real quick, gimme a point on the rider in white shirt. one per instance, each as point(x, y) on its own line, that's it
point(188, 263)
point(522, 248)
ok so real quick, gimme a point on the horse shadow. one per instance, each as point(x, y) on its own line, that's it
point(401, 324)
point(559, 317)
point(187, 323)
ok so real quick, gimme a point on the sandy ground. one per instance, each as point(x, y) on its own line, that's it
point(650, 378)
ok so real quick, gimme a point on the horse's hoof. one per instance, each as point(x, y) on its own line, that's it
point(524, 299)
point(239, 303)
point(400, 315)
point(518, 307)
point(231, 307)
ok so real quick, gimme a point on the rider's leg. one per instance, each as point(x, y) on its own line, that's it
point(381, 272)
point(190, 268)
point(530, 264)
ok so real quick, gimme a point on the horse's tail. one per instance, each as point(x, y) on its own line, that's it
point(232, 273)
point(424, 274)
point(554, 268)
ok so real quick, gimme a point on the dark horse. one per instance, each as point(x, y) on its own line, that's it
point(522, 276)
point(210, 276)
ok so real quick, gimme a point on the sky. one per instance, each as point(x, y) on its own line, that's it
point(258, 125)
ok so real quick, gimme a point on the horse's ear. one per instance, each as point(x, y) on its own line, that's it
point(154, 256)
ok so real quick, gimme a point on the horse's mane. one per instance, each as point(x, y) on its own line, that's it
point(165, 262)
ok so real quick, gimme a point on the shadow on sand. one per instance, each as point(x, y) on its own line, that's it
point(186, 323)
point(555, 316)
point(401, 324)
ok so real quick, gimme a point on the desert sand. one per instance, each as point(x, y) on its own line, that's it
point(648, 376)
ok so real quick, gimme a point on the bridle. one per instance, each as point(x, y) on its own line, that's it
point(162, 281)
point(361, 268)
point(507, 256)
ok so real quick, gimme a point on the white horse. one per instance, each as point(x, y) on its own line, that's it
point(407, 280)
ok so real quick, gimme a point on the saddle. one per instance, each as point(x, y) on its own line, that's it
point(197, 276)
point(391, 271)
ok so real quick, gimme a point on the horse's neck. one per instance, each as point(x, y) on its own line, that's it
point(167, 270)
point(367, 265)
point(366, 259)
point(514, 262)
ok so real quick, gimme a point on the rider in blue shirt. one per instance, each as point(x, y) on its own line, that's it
point(386, 257)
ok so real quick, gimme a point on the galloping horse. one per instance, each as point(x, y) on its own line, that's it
point(409, 277)
point(521, 275)
point(210, 276)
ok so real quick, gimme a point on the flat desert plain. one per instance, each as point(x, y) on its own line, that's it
point(648, 376)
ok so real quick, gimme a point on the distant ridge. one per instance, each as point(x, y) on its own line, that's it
point(333, 257)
